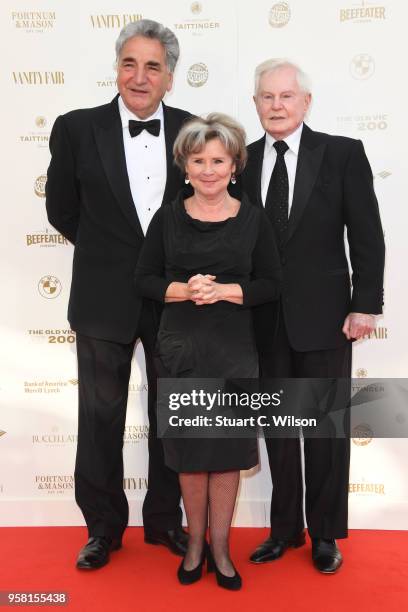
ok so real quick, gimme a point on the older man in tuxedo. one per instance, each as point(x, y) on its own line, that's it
point(313, 187)
point(111, 168)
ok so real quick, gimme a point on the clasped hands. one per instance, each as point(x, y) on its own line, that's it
point(203, 289)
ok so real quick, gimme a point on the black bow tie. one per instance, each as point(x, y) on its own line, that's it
point(135, 127)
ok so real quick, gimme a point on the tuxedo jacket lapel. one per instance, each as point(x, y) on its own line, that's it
point(109, 141)
point(253, 172)
point(310, 158)
point(171, 129)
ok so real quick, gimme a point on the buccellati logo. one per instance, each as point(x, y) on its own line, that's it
point(279, 15)
point(39, 185)
point(49, 287)
point(362, 434)
point(362, 66)
point(196, 8)
point(197, 75)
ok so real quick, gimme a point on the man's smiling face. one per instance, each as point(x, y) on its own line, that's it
point(143, 76)
point(280, 103)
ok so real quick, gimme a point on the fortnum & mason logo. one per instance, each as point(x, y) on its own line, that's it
point(33, 21)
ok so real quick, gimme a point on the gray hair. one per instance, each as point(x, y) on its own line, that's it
point(273, 64)
point(155, 30)
point(194, 135)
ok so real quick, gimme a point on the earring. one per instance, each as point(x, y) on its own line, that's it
point(233, 179)
point(186, 179)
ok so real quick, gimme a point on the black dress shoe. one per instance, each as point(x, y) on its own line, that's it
point(95, 553)
point(175, 539)
point(273, 548)
point(326, 556)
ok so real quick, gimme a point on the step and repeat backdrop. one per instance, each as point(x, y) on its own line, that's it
point(59, 55)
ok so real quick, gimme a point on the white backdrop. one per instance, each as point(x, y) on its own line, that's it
point(58, 56)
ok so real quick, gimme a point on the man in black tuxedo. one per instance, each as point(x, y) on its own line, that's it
point(313, 186)
point(111, 168)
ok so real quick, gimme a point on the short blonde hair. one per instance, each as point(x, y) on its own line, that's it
point(198, 131)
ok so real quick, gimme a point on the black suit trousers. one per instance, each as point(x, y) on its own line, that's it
point(326, 460)
point(104, 373)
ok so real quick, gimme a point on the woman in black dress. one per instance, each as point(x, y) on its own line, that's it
point(210, 258)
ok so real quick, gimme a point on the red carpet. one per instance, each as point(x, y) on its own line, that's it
point(142, 577)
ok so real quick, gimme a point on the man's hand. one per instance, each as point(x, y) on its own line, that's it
point(357, 325)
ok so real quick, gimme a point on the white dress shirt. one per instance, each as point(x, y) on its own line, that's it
point(146, 164)
point(291, 157)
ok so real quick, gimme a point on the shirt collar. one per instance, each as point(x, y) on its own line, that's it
point(126, 114)
point(293, 140)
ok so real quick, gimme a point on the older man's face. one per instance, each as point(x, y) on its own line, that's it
point(143, 77)
point(280, 103)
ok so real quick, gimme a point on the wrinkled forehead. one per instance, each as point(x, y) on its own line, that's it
point(280, 79)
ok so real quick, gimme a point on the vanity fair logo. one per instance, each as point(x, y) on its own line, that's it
point(197, 75)
point(364, 488)
point(362, 434)
point(46, 238)
point(49, 287)
point(198, 26)
point(377, 122)
point(100, 22)
point(362, 12)
point(36, 137)
point(54, 484)
point(279, 15)
point(362, 66)
point(380, 333)
point(39, 185)
point(33, 21)
point(52, 336)
point(49, 386)
point(33, 77)
point(135, 483)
